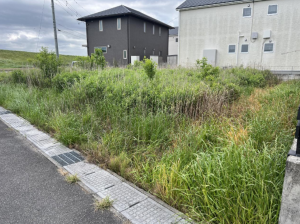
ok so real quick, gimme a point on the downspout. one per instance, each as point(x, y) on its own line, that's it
point(87, 37)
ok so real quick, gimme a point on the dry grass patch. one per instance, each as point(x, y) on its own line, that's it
point(62, 172)
point(72, 179)
point(105, 203)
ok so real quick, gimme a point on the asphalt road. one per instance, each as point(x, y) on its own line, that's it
point(32, 191)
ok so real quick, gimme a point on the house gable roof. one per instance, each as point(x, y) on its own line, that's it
point(122, 10)
point(198, 3)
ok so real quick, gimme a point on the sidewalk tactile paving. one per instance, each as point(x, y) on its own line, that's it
point(57, 150)
point(123, 195)
point(100, 181)
point(150, 212)
point(68, 158)
point(82, 168)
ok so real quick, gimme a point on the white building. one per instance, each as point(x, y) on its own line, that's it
point(173, 41)
point(256, 33)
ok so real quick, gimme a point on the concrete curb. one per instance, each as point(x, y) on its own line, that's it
point(290, 212)
point(138, 206)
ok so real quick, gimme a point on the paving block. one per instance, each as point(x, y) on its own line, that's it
point(82, 169)
point(57, 149)
point(100, 181)
point(123, 195)
point(10, 118)
point(68, 158)
point(24, 129)
point(33, 132)
point(42, 141)
point(150, 212)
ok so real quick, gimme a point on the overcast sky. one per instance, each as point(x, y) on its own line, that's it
point(26, 25)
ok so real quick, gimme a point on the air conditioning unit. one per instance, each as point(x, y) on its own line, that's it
point(267, 34)
point(254, 35)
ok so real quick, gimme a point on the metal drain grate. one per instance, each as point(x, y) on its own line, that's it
point(68, 158)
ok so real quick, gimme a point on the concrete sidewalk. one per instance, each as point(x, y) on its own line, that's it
point(32, 191)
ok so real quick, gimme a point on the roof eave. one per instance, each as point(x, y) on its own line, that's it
point(217, 5)
point(131, 14)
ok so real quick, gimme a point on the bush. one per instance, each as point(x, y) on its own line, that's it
point(18, 77)
point(48, 63)
point(149, 68)
point(207, 71)
point(66, 79)
point(99, 58)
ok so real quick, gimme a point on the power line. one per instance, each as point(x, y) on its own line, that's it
point(57, 2)
point(77, 13)
point(82, 7)
point(79, 32)
point(37, 45)
point(72, 34)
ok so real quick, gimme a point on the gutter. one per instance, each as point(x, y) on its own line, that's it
point(218, 5)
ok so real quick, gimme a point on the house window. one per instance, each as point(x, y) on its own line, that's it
point(101, 25)
point(119, 23)
point(269, 47)
point(272, 9)
point(231, 49)
point(159, 31)
point(160, 53)
point(153, 30)
point(125, 54)
point(104, 49)
point(245, 48)
point(247, 12)
point(176, 40)
point(144, 27)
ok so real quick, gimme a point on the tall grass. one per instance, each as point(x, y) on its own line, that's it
point(214, 148)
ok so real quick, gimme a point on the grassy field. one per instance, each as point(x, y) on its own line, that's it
point(19, 59)
point(212, 145)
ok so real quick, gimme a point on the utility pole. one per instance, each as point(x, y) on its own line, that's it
point(55, 30)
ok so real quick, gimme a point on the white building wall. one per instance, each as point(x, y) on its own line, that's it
point(217, 27)
point(173, 45)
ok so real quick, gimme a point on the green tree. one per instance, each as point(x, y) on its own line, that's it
point(48, 63)
point(99, 58)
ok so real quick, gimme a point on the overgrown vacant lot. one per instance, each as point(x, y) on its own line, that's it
point(213, 146)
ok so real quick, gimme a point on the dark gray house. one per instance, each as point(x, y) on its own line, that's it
point(122, 32)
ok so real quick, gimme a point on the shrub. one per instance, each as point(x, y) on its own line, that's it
point(99, 58)
point(149, 68)
point(207, 71)
point(18, 77)
point(48, 63)
point(65, 79)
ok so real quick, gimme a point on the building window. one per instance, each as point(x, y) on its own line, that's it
point(269, 47)
point(119, 23)
point(247, 12)
point(144, 27)
point(104, 49)
point(245, 48)
point(101, 25)
point(159, 31)
point(160, 53)
point(272, 9)
point(125, 54)
point(231, 49)
point(153, 30)
point(176, 40)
